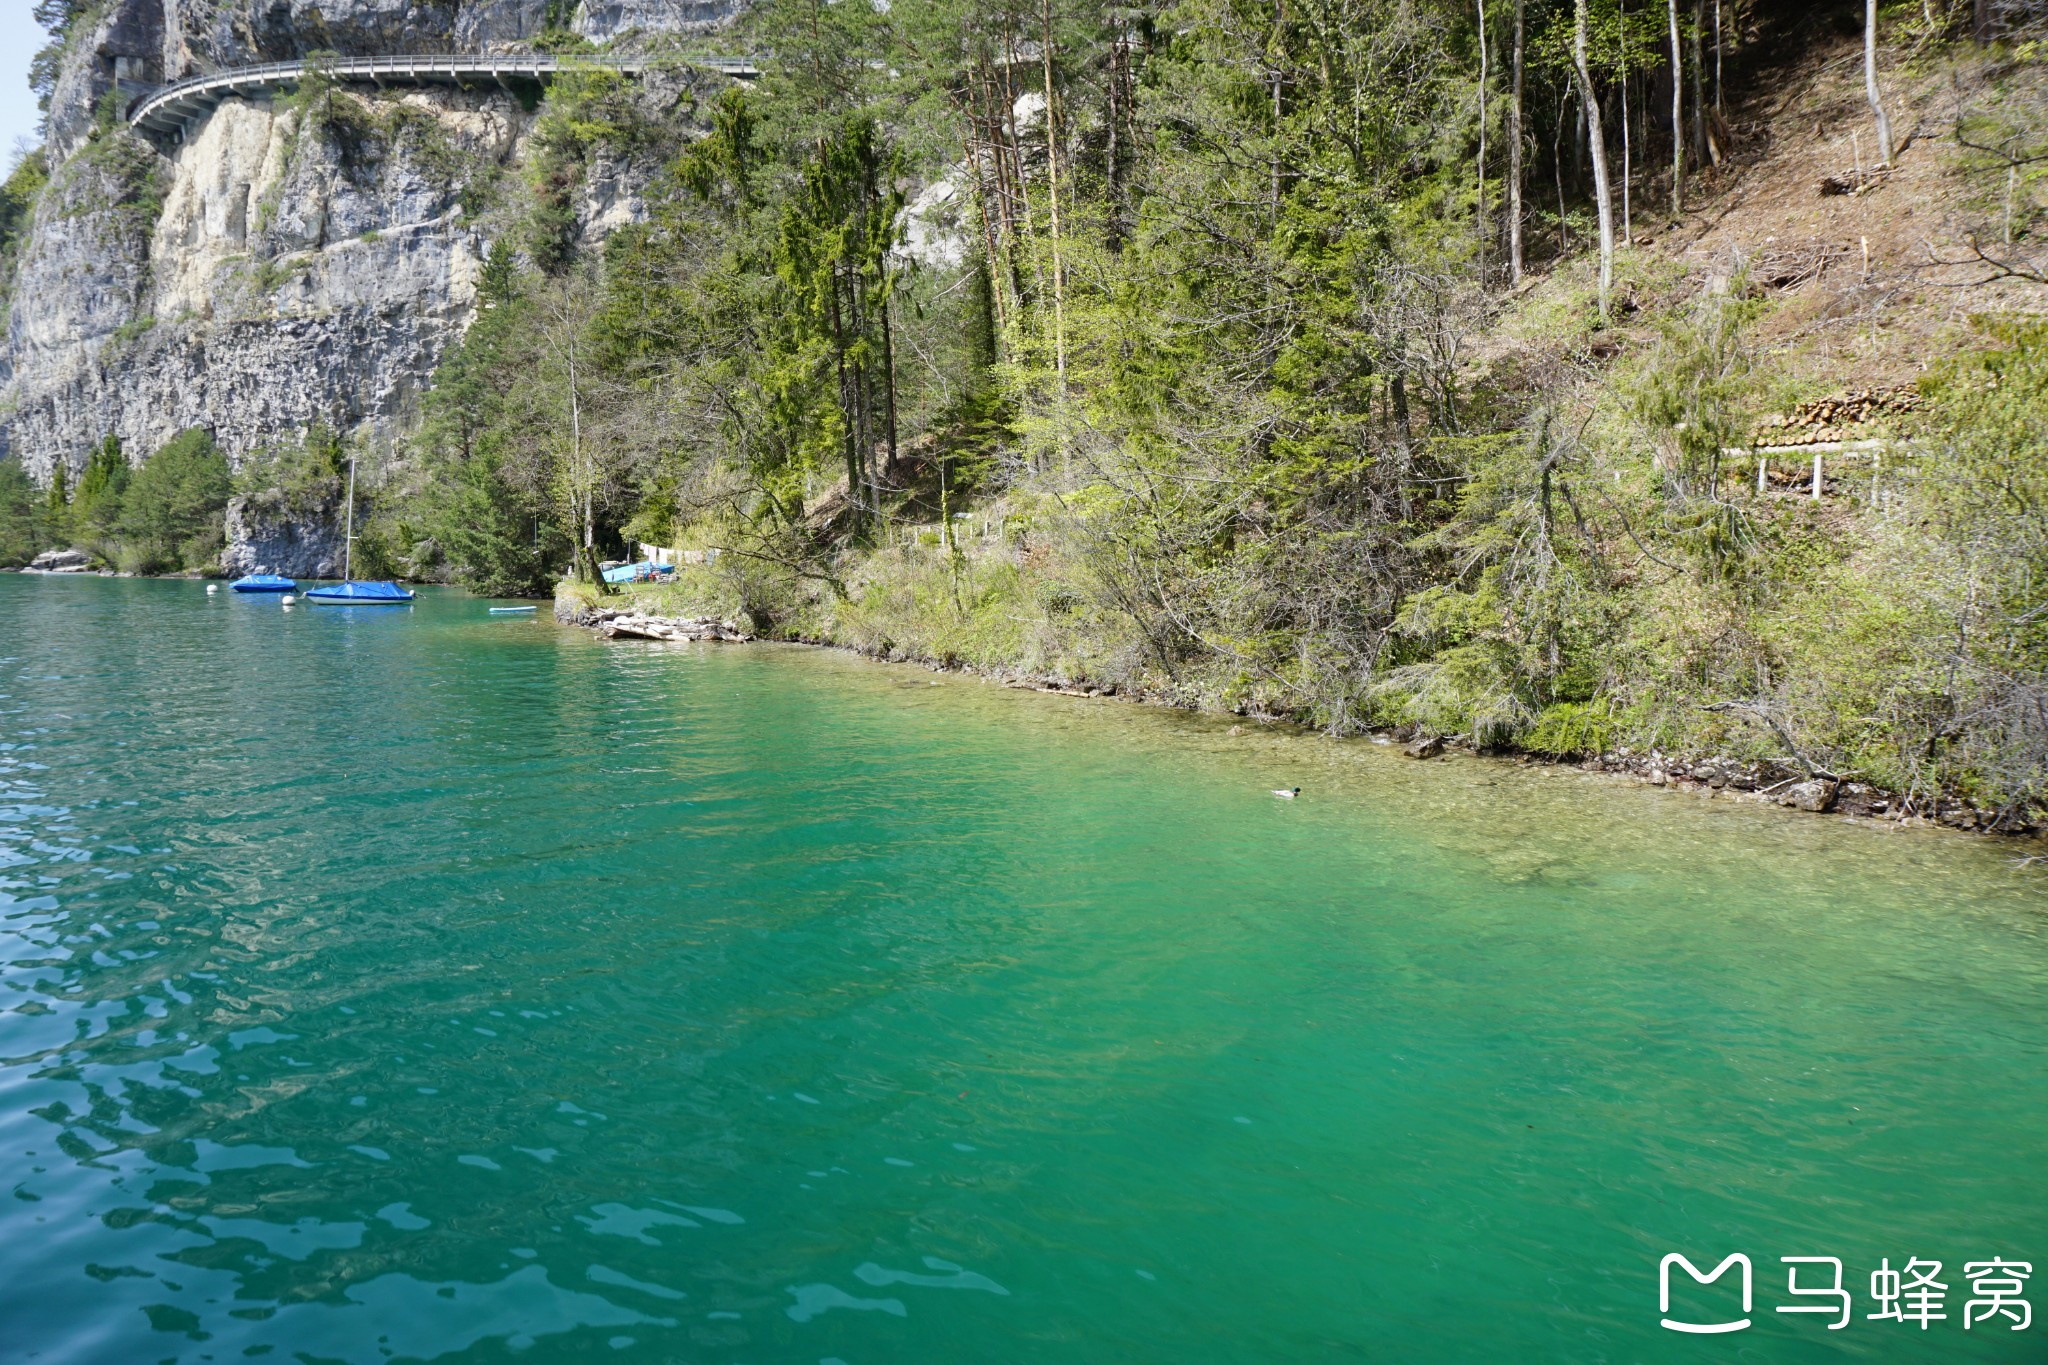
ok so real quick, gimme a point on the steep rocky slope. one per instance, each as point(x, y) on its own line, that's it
point(289, 262)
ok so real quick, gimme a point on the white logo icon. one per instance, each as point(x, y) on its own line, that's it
point(1704, 1328)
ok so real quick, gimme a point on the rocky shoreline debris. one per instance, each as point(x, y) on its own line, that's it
point(1814, 793)
point(1766, 783)
point(614, 623)
point(61, 561)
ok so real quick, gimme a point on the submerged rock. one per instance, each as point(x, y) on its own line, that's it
point(1815, 794)
point(1425, 745)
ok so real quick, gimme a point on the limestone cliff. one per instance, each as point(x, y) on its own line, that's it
point(288, 261)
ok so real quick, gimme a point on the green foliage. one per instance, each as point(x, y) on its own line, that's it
point(57, 506)
point(60, 19)
point(296, 476)
point(495, 538)
point(722, 165)
point(18, 196)
point(118, 178)
point(589, 112)
point(96, 507)
point(491, 445)
point(22, 535)
point(1569, 729)
point(831, 258)
point(173, 511)
point(133, 330)
point(1198, 359)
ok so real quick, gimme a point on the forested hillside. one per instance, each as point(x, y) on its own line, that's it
point(1270, 359)
point(1359, 362)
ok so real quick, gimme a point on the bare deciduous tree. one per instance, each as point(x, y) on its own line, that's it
point(1677, 117)
point(1515, 160)
point(1884, 126)
point(1604, 200)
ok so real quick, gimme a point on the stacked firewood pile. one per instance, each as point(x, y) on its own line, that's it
point(1848, 416)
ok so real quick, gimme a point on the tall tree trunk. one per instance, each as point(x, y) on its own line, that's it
point(1628, 222)
point(854, 481)
point(1483, 243)
point(1717, 56)
point(1564, 101)
point(1884, 125)
point(1017, 162)
point(1515, 160)
point(1052, 170)
point(1704, 151)
point(576, 461)
point(984, 191)
point(1112, 172)
point(1007, 178)
point(1677, 118)
point(888, 377)
point(1277, 50)
point(863, 386)
point(1603, 201)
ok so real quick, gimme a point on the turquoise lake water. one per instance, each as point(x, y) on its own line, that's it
point(408, 984)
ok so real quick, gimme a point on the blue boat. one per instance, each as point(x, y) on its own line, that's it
point(349, 592)
point(264, 582)
point(360, 594)
point(646, 571)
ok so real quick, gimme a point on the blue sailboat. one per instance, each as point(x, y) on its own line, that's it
point(349, 592)
point(264, 582)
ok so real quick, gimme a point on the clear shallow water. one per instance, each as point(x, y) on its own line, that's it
point(411, 984)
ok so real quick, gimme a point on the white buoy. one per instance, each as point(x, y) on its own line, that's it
point(288, 599)
point(212, 588)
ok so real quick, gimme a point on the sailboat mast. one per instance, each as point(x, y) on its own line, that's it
point(348, 529)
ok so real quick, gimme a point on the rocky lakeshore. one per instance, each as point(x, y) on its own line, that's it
point(1812, 792)
point(1771, 784)
point(621, 623)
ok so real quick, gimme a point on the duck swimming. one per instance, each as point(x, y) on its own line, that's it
point(1286, 793)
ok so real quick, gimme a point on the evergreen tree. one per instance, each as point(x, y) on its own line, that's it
point(57, 506)
point(173, 511)
point(96, 507)
point(21, 530)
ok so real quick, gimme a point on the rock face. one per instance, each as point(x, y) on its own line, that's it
point(279, 266)
point(285, 278)
point(271, 536)
point(142, 43)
